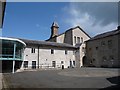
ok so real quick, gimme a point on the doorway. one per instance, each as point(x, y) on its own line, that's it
point(25, 64)
point(33, 64)
point(70, 63)
point(53, 64)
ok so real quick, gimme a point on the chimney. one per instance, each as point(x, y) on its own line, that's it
point(54, 29)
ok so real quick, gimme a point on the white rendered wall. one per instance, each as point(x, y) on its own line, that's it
point(46, 58)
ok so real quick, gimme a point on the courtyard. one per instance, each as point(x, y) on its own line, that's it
point(98, 78)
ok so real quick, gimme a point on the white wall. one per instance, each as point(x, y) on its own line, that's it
point(46, 58)
point(28, 56)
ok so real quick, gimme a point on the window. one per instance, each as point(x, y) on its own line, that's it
point(109, 43)
point(65, 51)
point(104, 58)
point(33, 64)
point(111, 57)
point(70, 63)
point(73, 63)
point(62, 62)
point(32, 50)
point(96, 48)
point(78, 39)
point(52, 51)
point(83, 49)
point(75, 39)
point(25, 64)
point(103, 43)
point(81, 39)
point(90, 49)
point(53, 63)
point(93, 59)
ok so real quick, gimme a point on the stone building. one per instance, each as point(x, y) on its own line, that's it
point(103, 49)
point(61, 50)
point(64, 50)
point(42, 54)
point(74, 36)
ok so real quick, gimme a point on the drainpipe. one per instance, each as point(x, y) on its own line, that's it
point(38, 57)
point(13, 69)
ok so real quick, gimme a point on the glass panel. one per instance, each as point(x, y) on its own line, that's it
point(8, 49)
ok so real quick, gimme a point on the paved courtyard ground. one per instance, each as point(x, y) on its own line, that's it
point(67, 78)
point(0, 80)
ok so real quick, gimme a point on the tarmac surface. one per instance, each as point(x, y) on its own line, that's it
point(0, 81)
point(66, 78)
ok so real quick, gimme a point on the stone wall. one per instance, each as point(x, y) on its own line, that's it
point(101, 54)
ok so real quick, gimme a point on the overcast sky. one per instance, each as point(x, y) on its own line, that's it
point(33, 20)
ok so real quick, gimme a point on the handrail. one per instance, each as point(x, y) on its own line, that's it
point(9, 56)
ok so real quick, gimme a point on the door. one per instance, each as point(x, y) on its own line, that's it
point(53, 63)
point(33, 64)
point(70, 63)
point(25, 64)
point(74, 63)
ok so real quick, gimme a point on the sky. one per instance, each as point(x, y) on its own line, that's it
point(33, 20)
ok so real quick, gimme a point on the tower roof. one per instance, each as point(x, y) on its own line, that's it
point(55, 24)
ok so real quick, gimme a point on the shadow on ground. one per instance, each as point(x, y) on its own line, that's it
point(113, 80)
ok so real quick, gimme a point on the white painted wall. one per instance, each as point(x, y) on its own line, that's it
point(28, 56)
point(46, 58)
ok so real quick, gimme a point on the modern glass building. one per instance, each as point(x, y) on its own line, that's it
point(11, 53)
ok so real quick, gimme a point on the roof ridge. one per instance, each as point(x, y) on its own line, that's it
point(106, 34)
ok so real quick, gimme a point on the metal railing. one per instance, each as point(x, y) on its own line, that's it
point(9, 56)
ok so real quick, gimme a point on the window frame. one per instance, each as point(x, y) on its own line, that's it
point(32, 50)
point(52, 51)
point(102, 43)
point(109, 43)
point(78, 39)
point(66, 52)
point(81, 39)
point(75, 41)
point(25, 65)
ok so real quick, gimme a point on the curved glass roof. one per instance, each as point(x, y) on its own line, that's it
point(13, 39)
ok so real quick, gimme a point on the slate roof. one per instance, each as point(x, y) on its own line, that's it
point(106, 34)
point(46, 43)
